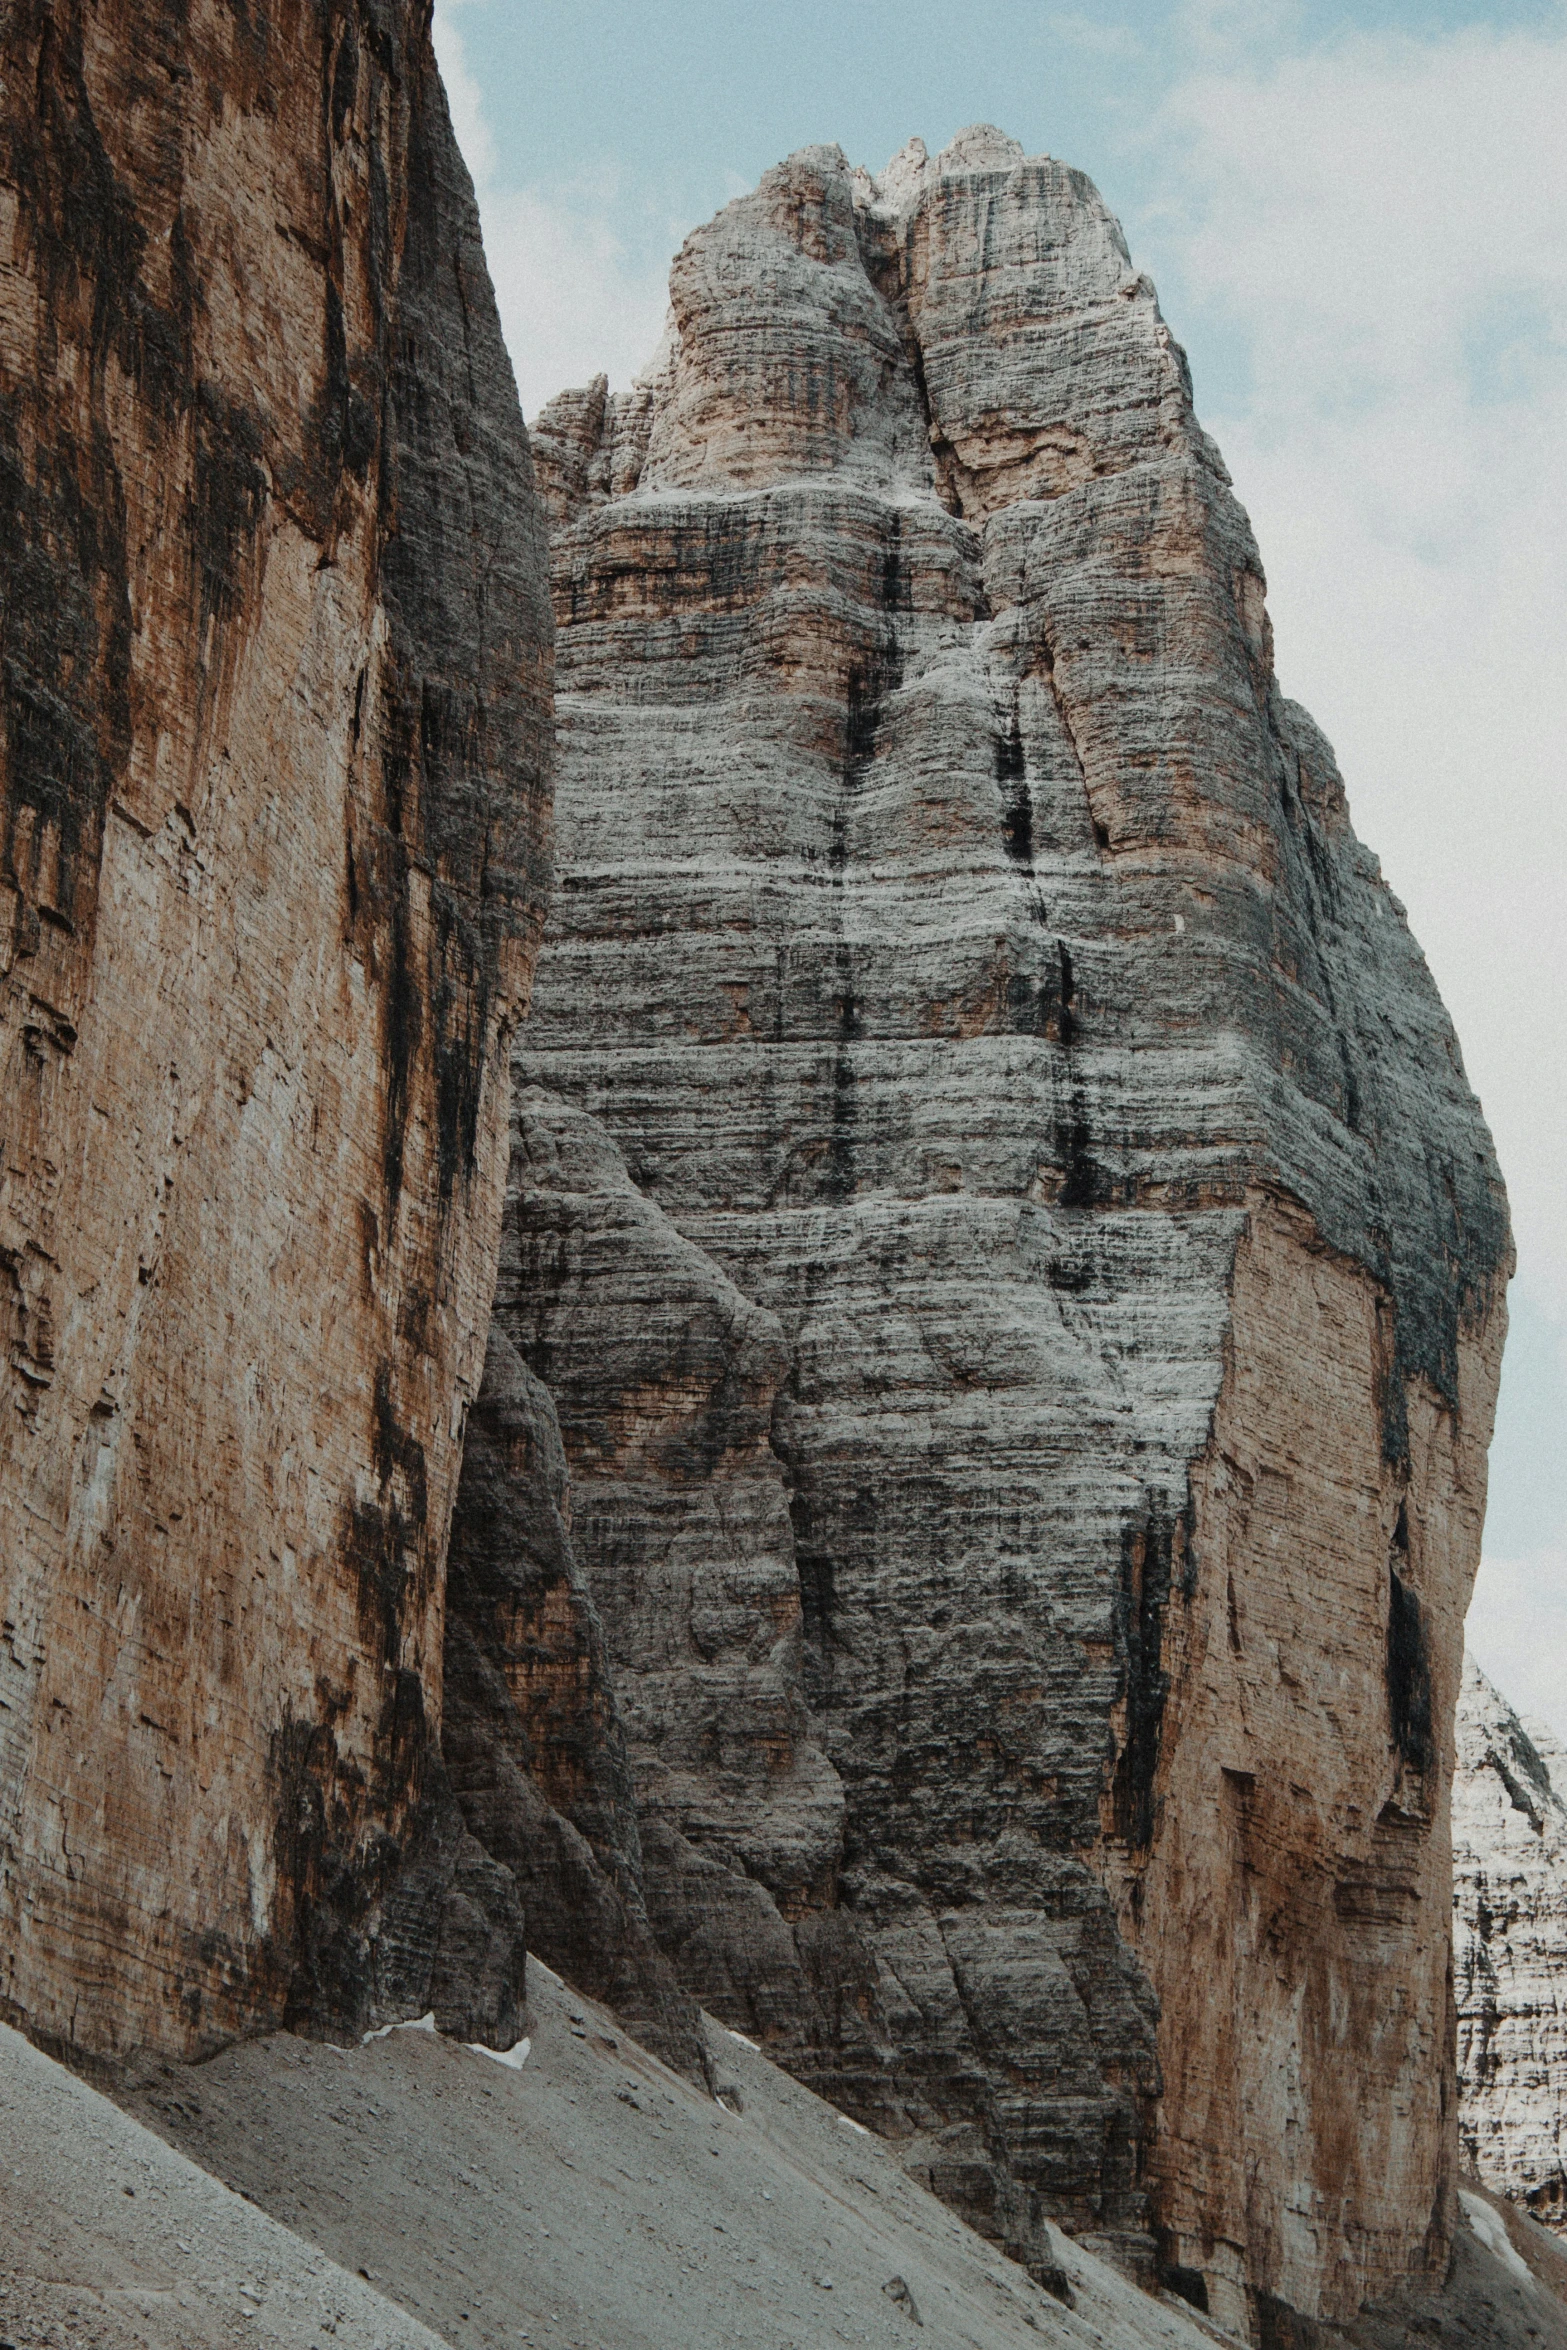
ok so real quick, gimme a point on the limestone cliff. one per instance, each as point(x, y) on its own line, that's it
point(274, 730)
point(1510, 1933)
point(989, 1106)
point(531, 1734)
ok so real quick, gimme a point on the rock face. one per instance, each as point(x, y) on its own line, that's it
point(988, 1106)
point(667, 1379)
point(1510, 1935)
point(531, 1736)
point(274, 724)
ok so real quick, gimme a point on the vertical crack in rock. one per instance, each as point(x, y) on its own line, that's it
point(1145, 1596)
point(1408, 1659)
point(1157, 1270)
point(274, 771)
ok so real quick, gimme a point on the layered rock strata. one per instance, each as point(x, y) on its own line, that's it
point(665, 1379)
point(1032, 1092)
point(274, 730)
point(1510, 1936)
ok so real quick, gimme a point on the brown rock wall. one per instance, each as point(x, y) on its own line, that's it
point(1289, 1908)
point(273, 749)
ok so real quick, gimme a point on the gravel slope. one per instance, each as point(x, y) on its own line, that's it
point(594, 2200)
point(111, 2240)
point(584, 2199)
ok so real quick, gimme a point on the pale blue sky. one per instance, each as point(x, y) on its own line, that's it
point(681, 98)
point(669, 107)
point(1356, 216)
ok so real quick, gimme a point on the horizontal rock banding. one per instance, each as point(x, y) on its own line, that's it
point(965, 945)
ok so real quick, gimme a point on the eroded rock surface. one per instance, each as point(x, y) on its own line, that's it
point(1087, 1230)
point(531, 1735)
point(273, 743)
point(1510, 1919)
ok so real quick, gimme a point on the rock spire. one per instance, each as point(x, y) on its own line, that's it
point(965, 993)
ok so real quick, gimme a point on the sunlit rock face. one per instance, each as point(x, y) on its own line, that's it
point(966, 949)
point(274, 734)
point(1510, 1950)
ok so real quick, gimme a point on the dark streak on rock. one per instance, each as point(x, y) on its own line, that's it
point(1146, 1561)
point(1408, 1674)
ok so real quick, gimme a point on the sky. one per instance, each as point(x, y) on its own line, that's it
point(1356, 217)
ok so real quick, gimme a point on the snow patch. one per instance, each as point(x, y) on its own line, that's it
point(860, 2126)
point(415, 2023)
point(1491, 2229)
point(744, 2042)
point(516, 2056)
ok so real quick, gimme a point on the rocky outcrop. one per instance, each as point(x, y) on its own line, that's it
point(274, 728)
point(1041, 1161)
point(531, 1734)
point(1510, 1935)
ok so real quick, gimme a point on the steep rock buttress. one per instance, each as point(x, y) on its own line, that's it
point(274, 735)
point(990, 1019)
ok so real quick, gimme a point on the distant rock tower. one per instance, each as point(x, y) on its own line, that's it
point(1510, 1950)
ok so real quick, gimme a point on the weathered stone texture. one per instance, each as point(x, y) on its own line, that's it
point(966, 949)
point(530, 1734)
point(1510, 1931)
point(1291, 1906)
point(273, 744)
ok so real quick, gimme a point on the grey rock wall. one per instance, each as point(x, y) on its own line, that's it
point(1007, 1043)
point(531, 1736)
point(964, 1525)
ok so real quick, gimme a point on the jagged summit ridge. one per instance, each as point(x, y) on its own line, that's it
point(899, 187)
point(779, 281)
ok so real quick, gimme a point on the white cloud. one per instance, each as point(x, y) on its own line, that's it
point(1218, 29)
point(1383, 224)
point(1093, 34)
point(464, 94)
point(1518, 1632)
point(575, 300)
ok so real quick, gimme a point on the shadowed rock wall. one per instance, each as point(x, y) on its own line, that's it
point(274, 716)
point(964, 946)
point(531, 1735)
